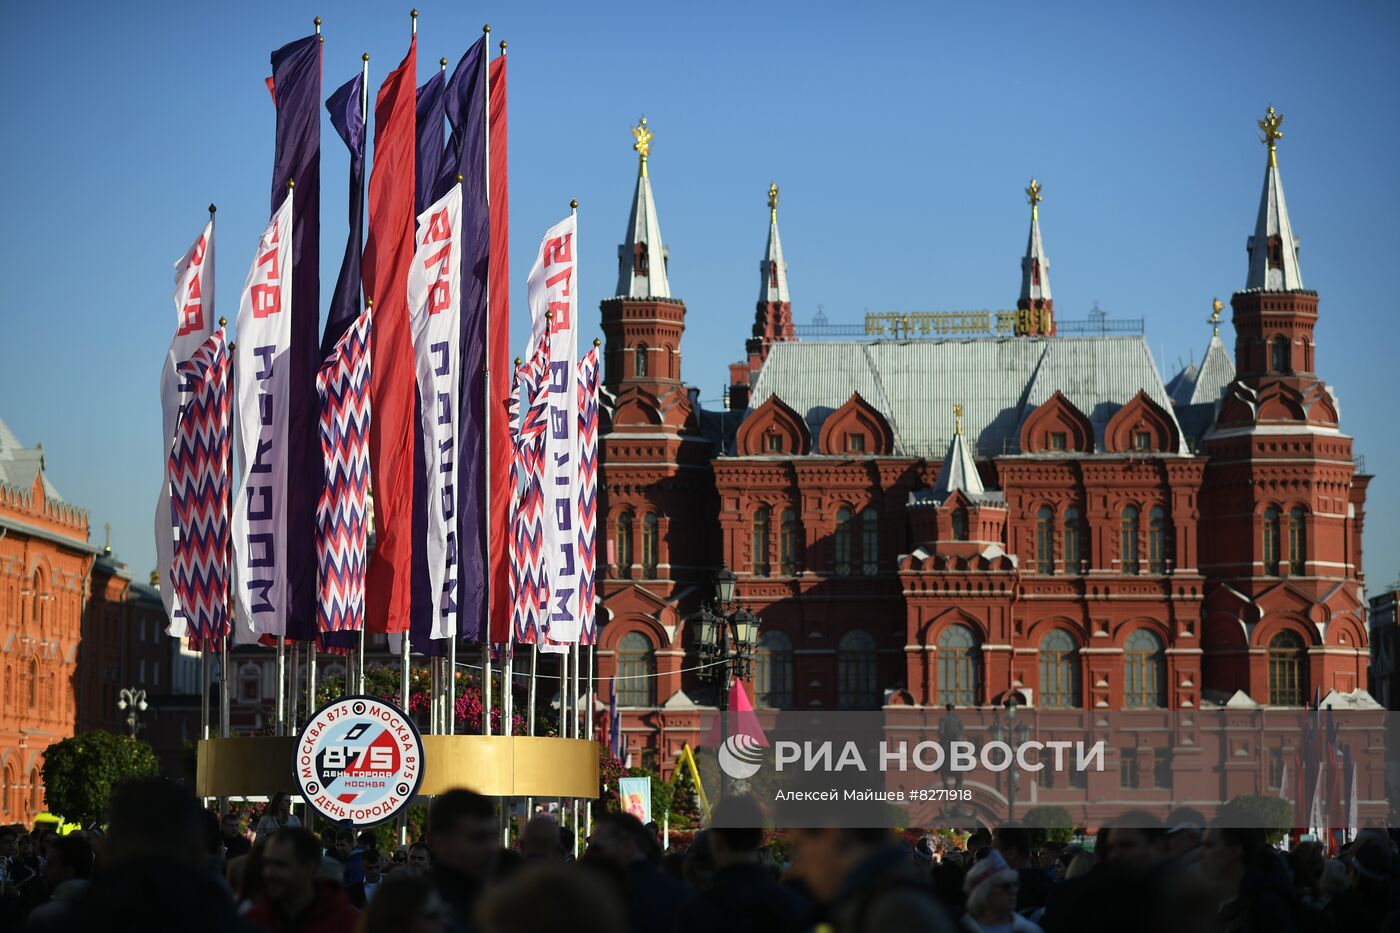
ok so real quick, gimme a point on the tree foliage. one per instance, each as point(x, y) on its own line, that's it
point(1049, 824)
point(80, 773)
point(1274, 815)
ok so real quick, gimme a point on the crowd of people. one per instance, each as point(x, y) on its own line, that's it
point(164, 863)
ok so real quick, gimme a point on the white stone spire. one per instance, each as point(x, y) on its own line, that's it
point(959, 468)
point(1035, 266)
point(641, 258)
point(773, 286)
point(1273, 250)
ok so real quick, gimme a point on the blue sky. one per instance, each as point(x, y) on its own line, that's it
point(902, 136)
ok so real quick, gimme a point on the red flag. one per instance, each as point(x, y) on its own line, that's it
point(388, 254)
point(498, 363)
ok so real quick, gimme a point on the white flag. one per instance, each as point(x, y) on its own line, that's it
point(194, 321)
point(261, 373)
point(434, 310)
point(553, 288)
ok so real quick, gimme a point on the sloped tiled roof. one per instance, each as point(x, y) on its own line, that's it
point(19, 464)
point(916, 383)
point(1196, 389)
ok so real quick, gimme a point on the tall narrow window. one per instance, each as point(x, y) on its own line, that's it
point(1287, 685)
point(1059, 671)
point(842, 542)
point(1130, 562)
point(1045, 540)
point(1297, 540)
point(1280, 346)
point(762, 527)
point(957, 667)
point(636, 671)
point(1144, 671)
point(857, 686)
point(1271, 541)
point(624, 544)
point(1074, 545)
point(639, 356)
point(649, 545)
point(869, 542)
point(788, 543)
point(772, 671)
point(1157, 541)
point(960, 524)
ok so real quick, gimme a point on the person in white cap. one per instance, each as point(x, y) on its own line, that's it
point(991, 887)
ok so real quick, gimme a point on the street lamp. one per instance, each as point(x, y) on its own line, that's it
point(134, 702)
point(1015, 733)
point(725, 643)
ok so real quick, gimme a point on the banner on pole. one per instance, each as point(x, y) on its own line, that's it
point(635, 795)
point(588, 495)
point(260, 508)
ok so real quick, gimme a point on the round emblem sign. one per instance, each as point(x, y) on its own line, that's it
point(359, 759)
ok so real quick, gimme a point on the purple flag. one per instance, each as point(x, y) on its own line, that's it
point(428, 164)
point(296, 84)
point(466, 111)
point(347, 112)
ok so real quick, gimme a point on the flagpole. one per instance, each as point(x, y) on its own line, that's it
point(290, 686)
point(223, 642)
point(281, 680)
point(486, 395)
point(310, 677)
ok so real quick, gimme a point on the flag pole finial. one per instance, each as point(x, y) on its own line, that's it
point(232, 346)
point(518, 361)
point(317, 23)
point(369, 302)
point(291, 183)
point(413, 14)
point(212, 209)
point(597, 342)
point(503, 46)
point(223, 321)
point(486, 29)
point(573, 204)
point(364, 57)
point(459, 178)
point(442, 63)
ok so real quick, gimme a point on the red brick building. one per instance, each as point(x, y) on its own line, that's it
point(1031, 513)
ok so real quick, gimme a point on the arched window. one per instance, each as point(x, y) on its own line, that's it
point(1287, 682)
point(1157, 541)
point(1130, 541)
point(772, 671)
point(1144, 671)
point(1045, 540)
point(856, 683)
point(636, 671)
point(1074, 541)
point(639, 360)
point(1271, 541)
point(960, 524)
point(789, 543)
point(249, 683)
point(1297, 540)
point(32, 687)
point(36, 791)
point(842, 541)
point(762, 526)
point(958, 682)
point(1059, 671)
point(38, 587)
point(869, 542)
point(1280, 354)
point(624, 544)
point(649, 545)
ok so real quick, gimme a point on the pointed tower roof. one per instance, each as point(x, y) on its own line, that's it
point(1273, 250)
point(773, 286)
point(959, 468)
point(642, 256)
point(1035, 265)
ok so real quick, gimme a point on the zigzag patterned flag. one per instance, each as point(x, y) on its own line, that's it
point(533, 568)
point(197, 470)
point(587, 495)
point(517, 470)
point(342, 526)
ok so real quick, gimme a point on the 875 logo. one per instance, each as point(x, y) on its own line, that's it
point(359, 759)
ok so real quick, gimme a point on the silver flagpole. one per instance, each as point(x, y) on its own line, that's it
point(207, 672)
point(223, 642)
point(223, 688)
point(435, 686)
point(530, 700)
point(281, 685)
point(403, 671)
point(293, 696)
point(508, 690)
point(360, 673)
point(449, 706)
point(310, 677)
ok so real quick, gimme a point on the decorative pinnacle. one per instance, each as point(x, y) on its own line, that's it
point(518, 361)
point(369, 302)
point(1033, 193)
point(957, 418)
point(573, 204)
point(223, 322)
point(1271, 134)
point(212, 209)
point(364, 57)
point(503, 46)
point(597, 342)
point(643, 143)
point(486, 29)
point(291, 183)
point(773, 202)
point(442, 63)
point(1214, 320)
point(459, 179)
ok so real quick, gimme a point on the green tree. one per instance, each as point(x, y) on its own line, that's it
point(1049, 824)
point(1274, 815)
point(80, 773)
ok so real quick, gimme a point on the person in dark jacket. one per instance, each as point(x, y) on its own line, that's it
point(1251, 879)
point(652, 898)
point(864, 883)
point(293, 898)
point(743, 894)
point(463, 839)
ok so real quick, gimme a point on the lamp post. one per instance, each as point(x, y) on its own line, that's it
point(725, 641)
point(1015, 733)
point(134, 702)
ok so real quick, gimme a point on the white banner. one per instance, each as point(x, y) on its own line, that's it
point(261, 374)
point(434, 311)
point(194, 321)
point(553, 288)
